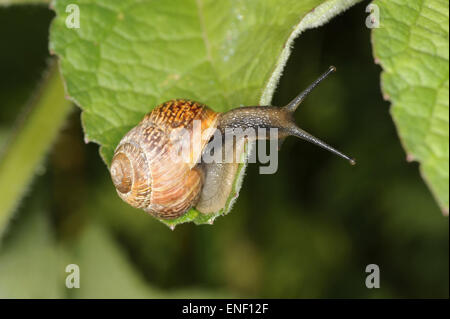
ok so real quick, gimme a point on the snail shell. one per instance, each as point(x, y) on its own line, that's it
point(143, 170)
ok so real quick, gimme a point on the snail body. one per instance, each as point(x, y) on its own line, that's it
point(146, 175)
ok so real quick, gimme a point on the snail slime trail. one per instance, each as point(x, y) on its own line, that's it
point(144, 171)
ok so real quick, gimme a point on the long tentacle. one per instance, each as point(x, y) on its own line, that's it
point(292, 106)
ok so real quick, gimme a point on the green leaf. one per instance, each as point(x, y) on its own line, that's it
point(128, 56)
point(412, 46)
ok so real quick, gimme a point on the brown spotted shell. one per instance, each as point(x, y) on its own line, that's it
point(147, 169)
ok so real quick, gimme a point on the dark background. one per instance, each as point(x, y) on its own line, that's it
point(307, 231)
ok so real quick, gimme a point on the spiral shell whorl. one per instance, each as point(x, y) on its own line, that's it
point(129, 172)
point(122, 173)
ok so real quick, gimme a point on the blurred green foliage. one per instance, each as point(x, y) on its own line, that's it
point(307, 231)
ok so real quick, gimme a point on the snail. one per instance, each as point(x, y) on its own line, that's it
point(145, 176)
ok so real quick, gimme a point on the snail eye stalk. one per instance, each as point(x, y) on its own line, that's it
point(296, 131)
point(292, 106)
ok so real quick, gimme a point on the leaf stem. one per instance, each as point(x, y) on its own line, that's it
point(33, 136)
